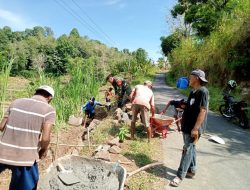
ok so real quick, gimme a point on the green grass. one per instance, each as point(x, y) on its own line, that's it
point(139, 150)
point(143, 181)
point(4, 78)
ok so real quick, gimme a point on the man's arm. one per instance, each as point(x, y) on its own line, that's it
point(152, 105)
point(99, 104)
point(84, 106)
point(44, 143)
point(132, 95)
point(165, 109)
point(3, 123)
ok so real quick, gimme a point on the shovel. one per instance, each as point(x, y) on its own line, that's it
point(66, 176)
point(84, 126)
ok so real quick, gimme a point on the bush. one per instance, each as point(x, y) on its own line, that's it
point(28, 73)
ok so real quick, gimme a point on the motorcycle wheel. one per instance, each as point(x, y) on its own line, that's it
point(225, 111)
point(243, 120)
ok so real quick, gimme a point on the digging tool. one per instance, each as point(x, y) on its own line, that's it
point(57, 141)
point(84, 125)
point(144, 168)
point(66, 176)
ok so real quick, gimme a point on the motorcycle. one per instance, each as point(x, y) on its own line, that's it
point(232, 108)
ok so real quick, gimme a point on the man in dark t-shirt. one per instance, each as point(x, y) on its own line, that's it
point(193, 125)
point(179, 106)
point(122, 89)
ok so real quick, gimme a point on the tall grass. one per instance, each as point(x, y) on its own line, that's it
point(4, 76)
point(82, 84)
point(71, 90)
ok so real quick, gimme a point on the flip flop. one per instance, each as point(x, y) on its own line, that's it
point(176, 182)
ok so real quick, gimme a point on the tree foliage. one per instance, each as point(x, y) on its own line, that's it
point(224, 53)
point(170, 42)
point(37, 50)
point(203, 15)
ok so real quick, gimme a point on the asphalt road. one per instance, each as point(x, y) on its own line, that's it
point(220, 167)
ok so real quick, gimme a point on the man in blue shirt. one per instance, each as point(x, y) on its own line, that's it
point(89, 107)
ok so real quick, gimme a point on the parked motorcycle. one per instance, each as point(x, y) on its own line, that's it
point(232, 108)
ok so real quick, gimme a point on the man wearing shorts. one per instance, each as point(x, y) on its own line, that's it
point(142, 99)
point(26, 127)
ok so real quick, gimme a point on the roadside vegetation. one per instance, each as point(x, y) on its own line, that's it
point(213, 36)
point(75, 66)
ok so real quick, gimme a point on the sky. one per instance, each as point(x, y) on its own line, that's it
point(125, 24)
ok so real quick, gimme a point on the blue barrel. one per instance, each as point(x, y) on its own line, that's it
point(182, 83)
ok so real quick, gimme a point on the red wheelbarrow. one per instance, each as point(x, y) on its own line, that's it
point(160, 123)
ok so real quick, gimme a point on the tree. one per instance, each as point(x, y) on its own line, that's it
point(74, 33)
point(201, 14)
point(161, 63)
point(48, 31)
point(170, 42)
point(5, 37)
point(38, 31)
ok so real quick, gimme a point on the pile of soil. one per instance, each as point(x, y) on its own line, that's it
point(92, 174)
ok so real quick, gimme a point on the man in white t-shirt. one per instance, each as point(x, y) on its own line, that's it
point(142, 99)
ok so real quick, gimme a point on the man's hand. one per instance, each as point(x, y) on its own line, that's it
point(42, 153)
point(195, 135)
point(3, 123)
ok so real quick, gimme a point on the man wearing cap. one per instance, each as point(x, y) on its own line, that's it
point(122, 89)
point(142, 99)
point(193, 125)
point(26, 128)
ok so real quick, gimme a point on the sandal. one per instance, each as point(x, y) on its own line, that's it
point(176, 181)
point(190, 175)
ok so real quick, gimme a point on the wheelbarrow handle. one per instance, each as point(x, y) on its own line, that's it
point(175, 121)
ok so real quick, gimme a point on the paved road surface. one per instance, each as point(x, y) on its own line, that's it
point(220, 167)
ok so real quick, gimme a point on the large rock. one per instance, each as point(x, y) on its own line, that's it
point(115, 150)
point(99, 148)
point(114, 141)
point(118, 114)
point(105, 147)
point(103, 155)
point(116, 123)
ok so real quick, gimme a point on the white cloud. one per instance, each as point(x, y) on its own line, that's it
point(112, 2)
point(16, 22)
point(118, 3)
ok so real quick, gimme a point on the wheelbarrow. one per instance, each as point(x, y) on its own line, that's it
point(90, 174)
point(160, 123)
